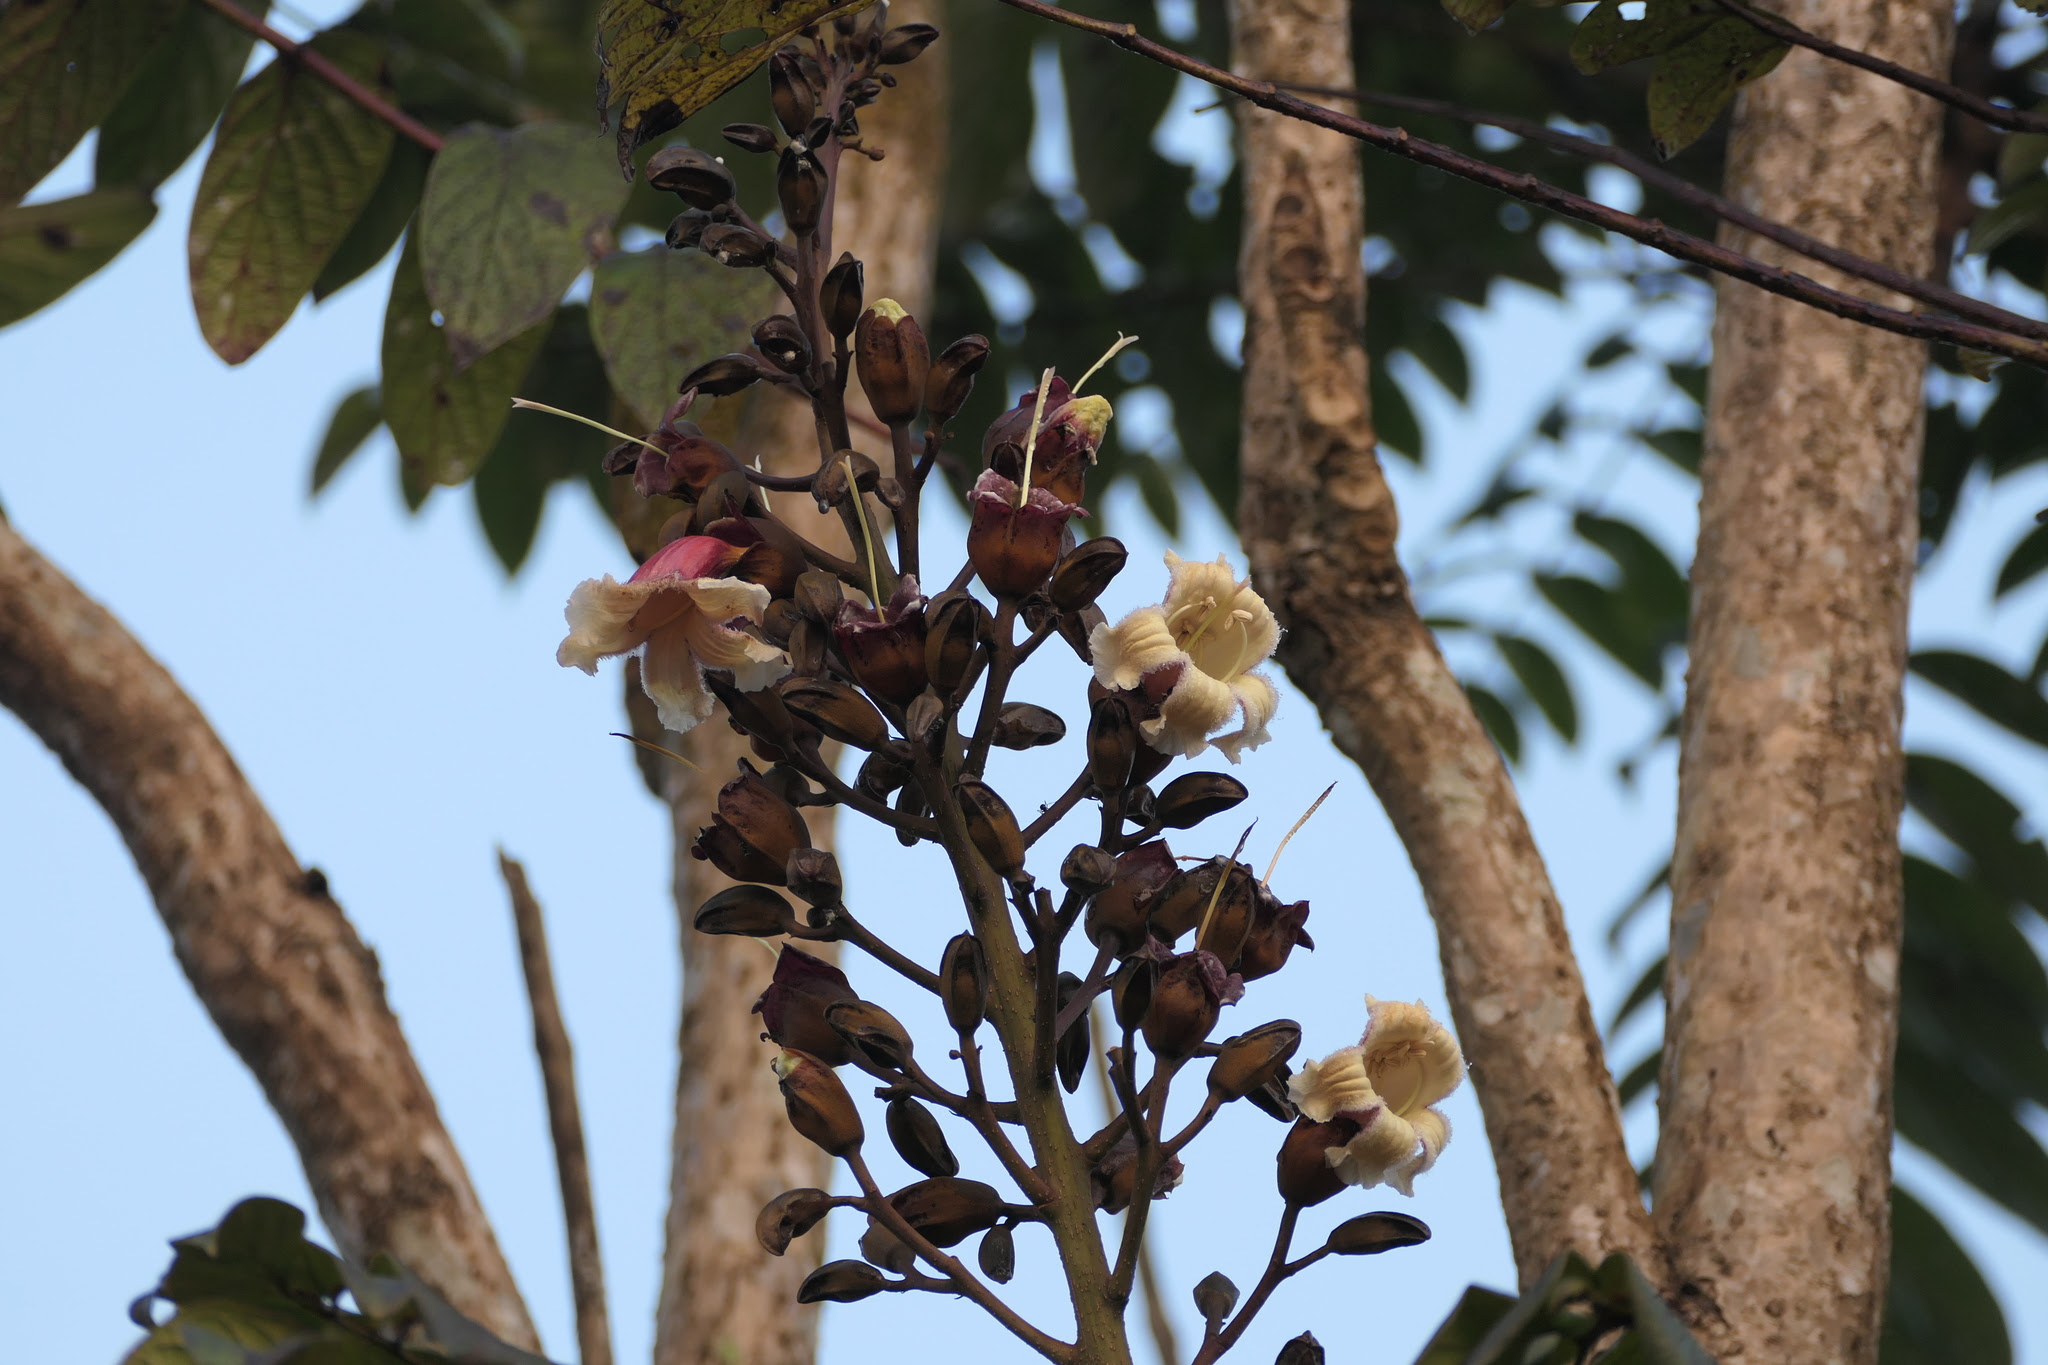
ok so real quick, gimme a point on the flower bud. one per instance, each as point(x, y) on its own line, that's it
point(997, 1254)
point(750, 137)
point(1215, 1296)
point(963, 984)
point(1276, 932)
point(794, 97)
point(1021, 725)
point(760, 713)
point(818, 595)
point(957, 624)
point(992, 826)
point(698, 178)
point(753, 833)
point(918, 1139)
point(1014, 547)
point(1114, 1178)
point(1117, 917)
point(818, 1106)
point(1192, 798)
point(1245, 1063)
point(1131, 990)
point(900, 45)
point(782, 340)
point(837, 710)
point(813, 874)
point(1070, 1050)
point(1191, 992)
point(947, 1209)
point(882, 774)
point(739, 247)
point(778, 619)
point(751, 910)
point(1087, 869)
point(1303, 1350)
point(1306, 1177)
point(686, 230)
point(871, 1031)
point(841, 1282)
point(1084, 571)
point(951, 378)
point(839, 294)
point(806, 648)
point(829, 488)
point(722, 375)
point(893, 360)
point(1371, 1233)
point(1112, 744)
point(884, 650)
point(884, 1248)
point(1187, 900)
point(1070, 431)
point(801, 186)
point(788, 1216)
point(793, 1007)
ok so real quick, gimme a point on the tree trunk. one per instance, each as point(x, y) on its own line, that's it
point(1773, 1164)
point(725, 1301)
point(1319, 526)
point(271, 956)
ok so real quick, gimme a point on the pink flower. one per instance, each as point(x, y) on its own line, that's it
point(678, 608)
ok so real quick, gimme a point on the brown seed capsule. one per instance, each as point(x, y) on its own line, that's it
point(782, 340)
point(1371, 1233)
point(918, 1139)
point(893, 361)
point(1271, 1098)
point(778, 620)
point(1013, 541)
point(750, 137)
point(992, 826)
point(1070, 1052)
point(883, 1248)
point(1303, 1350)
point(813, 874)
point(884, 650)
point(956, 624)
point(1275, 933)
point(1112, 744)
point(872, 1032)
point(900, 45)
point(1305, 1175)
point(1249, 1060)
point(722, 375)
point(829, 488)
point(794, 97)
point(800, 187)
point(881, 774)
point(736, 246)
point(1087, 869)
point(760, 713)
point(1131, 991)
point(696, 177)
point(839, 294)
point(837, 710)
point(1192, 990)
point(1021, 725)
point(754, 831)
point(751, 910)
point(686, 230)
point(963, 983)
point(998, 1254)
point(806, 646)
point(818, 595)
point(949, 1209)
point(818, 1106)
point(793, 1007)
point(951, 378)
point(1192, 798)
point(1215, 1296)
point(788, 1216)
point(1084, 571)
point(1118, 915)
point(841, 1282)
point(1185, 902)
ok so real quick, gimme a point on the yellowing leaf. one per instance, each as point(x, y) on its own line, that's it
point(667, 61)
point(45, 249)
point(658, 314)
point(1694, 82)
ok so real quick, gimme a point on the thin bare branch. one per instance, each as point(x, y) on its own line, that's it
point(292, 51)
point(565, 1119)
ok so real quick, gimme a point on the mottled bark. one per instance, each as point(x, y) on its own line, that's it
point(724, 1301)
point(1319, 526)
point(271, 956)
point(1773, 1164)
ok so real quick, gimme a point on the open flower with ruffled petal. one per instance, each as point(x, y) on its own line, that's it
point(1406, 1063)
point(1193, 655)
point(677, 608)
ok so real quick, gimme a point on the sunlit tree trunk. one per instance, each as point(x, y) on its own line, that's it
point(1773, 1164)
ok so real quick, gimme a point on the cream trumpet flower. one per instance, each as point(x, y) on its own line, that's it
point(1406, 1063)
point(677, 605)
point(1194, 653)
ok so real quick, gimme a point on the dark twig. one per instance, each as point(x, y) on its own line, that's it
point(1156, 1317)
point(1277, 1269)
point(1691, 195)
point(1534, 190)
point(1057, 811)
point(565, 1120)
point(364, 97)
point(1976, 106)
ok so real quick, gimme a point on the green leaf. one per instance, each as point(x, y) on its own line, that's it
point(1498, 719)
point(1476, 14)
point(1605, 39)
point(667, 63)
point(291, 168)
point(658, 314)
point(1991, 691)
point(2025, 210)
point(1639, 1078)
point(443, 419)
point(1680, 445)
point(2027, 559)
point(1474, 1316)
point(378, 227)
point(1544, 681)
point(355, 417)
point(63, 65)
point(1937, 1308)
point(535, 451)
point(174, 100)
point(1982, 822)
point(509, 219)
point(1971, 1131)
point(1665, 1340)
point(1393, 419)
point(1649, 986)
point(1694, 82)
point(45, 249)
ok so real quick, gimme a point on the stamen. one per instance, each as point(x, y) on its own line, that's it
point(861, 512)
point(1222, 881)
point(649, 744)
point(1031, 436)
point(1313, 808)
point(1207, 621)
point(588, 422)
point(1108, 355)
